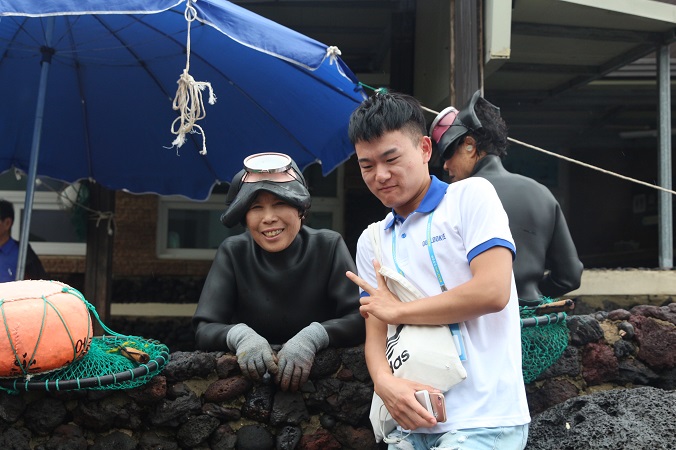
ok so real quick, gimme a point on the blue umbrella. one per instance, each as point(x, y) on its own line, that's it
point(88, 93)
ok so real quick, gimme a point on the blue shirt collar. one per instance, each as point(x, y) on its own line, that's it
point(8, 246)
point(432, 198)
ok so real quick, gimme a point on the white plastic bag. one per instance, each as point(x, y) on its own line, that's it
point(424, 353)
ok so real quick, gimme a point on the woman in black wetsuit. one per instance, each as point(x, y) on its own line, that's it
point(278, 283)
point(472, 143)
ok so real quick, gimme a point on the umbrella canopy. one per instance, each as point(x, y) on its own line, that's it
point(112, 77)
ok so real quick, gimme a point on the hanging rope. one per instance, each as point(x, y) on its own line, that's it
point(108, 216)
point(78, 202)
point(592, 167)
point(608, 172)
point(188, 98)
point(333, 53)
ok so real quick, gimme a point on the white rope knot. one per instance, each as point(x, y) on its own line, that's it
point(190, 13)
point(188, 100)
point(333, 53)
point(108, 216)
point(189, 103)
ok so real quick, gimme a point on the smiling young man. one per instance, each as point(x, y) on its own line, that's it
point(454, 243)
point(265, 286)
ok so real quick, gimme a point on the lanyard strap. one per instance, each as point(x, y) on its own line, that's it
point(394, 249)
point(429, 247)
point(454, 327)
point(440, 279)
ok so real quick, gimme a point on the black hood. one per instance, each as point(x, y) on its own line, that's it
point(241, 195)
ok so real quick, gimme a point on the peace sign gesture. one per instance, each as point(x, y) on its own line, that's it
point(380, 302)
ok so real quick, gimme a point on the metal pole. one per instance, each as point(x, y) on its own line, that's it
point(665, 203)
point(47, 53)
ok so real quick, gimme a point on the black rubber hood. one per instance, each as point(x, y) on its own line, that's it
point(465, 121)
point(241, 195)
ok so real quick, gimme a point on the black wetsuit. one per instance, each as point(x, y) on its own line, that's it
point(543, 241)
point(278, 294)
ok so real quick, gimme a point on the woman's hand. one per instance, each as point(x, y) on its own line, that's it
point(298, 354)
point(254, 355)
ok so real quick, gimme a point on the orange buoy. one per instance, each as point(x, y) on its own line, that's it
point(46, 327)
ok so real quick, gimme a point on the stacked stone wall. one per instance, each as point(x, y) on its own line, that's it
point(201, 400)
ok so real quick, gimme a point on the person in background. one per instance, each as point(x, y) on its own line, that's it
point(452, 241)
point(9, 250)
point(280, 283)
point(472, 143)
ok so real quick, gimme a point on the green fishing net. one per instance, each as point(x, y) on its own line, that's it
point(113, 361)
point(543, 339)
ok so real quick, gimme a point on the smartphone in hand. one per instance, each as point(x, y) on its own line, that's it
point(435, 403)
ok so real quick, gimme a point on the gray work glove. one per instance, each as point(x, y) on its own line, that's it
point(254, 354)
point(298, 354)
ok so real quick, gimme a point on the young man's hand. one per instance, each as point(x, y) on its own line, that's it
point(398, 395)
point(380, 302)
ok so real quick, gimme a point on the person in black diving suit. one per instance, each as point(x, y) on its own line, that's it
point(278, 283)
point(472, 143)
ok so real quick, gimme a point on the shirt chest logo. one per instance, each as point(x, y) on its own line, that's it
point(438, 238)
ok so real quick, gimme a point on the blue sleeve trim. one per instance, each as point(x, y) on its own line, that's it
point(364, 294)
point(495, 242)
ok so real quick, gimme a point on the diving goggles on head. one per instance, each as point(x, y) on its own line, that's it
point(269, 166)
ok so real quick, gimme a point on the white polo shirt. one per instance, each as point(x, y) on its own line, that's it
point(468, 219)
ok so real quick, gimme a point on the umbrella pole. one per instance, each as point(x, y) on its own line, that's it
point(47, 53)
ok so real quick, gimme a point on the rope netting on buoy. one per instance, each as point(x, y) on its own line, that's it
point(50, 347)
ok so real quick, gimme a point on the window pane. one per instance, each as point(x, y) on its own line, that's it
point(221, 188)
point(197, 228)
point(56, 225)
point(321, 186)
point(8, 182)
point(53, 230)
point(320, 220)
